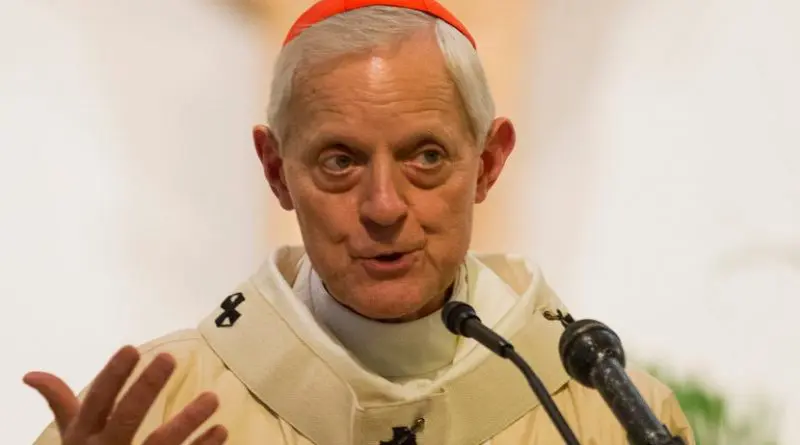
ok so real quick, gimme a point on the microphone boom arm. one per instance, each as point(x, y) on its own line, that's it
point(547, 402)
point(461, 319)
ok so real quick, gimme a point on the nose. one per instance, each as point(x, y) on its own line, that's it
point(382, 204)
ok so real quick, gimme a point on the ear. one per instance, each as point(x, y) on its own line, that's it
point(499, 144)
point(268, 150)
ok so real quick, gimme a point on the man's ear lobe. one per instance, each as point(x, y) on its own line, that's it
point(500, 143)
point(268, 151)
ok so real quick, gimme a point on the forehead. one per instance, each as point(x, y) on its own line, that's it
point(391, 91)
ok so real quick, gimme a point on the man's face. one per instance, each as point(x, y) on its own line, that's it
point(383, 172)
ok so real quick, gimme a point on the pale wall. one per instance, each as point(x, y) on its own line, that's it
point(130, 197)
point(665, 194)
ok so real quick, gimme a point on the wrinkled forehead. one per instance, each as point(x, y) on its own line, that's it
point(407, 90)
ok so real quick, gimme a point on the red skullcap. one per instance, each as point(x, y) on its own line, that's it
point(324, 9)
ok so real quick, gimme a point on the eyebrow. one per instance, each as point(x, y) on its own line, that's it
point(326, 139)
point(416, 139)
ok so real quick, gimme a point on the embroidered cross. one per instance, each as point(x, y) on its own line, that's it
point(402, 436)
point(229, 313)
point(406, 436)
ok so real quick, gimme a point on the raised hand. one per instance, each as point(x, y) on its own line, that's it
point(96, 421)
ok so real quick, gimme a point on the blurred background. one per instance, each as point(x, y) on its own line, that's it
point(655, 182)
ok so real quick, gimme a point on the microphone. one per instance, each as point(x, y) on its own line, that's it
point(592, 354)
point(461, 319)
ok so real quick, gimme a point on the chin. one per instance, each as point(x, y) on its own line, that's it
point(384, 302)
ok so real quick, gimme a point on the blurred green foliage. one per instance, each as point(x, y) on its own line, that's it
point(711, 416)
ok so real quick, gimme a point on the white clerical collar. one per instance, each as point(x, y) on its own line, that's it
point(396, 351)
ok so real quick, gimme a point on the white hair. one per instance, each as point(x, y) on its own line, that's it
point(366, 28)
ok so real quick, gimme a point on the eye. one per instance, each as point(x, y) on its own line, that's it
point(429, 158)
point(338, 162)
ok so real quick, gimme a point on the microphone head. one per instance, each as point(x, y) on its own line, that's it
point(583, 344)
point(455, 313)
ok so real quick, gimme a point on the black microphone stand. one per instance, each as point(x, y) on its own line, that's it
point(592, 354)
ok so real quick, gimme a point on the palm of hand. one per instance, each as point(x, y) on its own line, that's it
point(97, 421)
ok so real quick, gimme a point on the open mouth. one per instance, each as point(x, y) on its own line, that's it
point(389, 265)
point(389, 257)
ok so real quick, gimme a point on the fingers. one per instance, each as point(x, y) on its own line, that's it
point(134, 405)
point(186, 422)
point(101, 396)
point(59, 396)
point(217, 435)
point(120, 427)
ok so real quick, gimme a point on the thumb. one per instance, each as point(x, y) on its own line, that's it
point(59, 396)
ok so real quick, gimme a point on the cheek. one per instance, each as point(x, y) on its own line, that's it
point(447, 210)
point(321, 216)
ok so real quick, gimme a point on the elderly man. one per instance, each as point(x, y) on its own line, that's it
point(382, 137)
